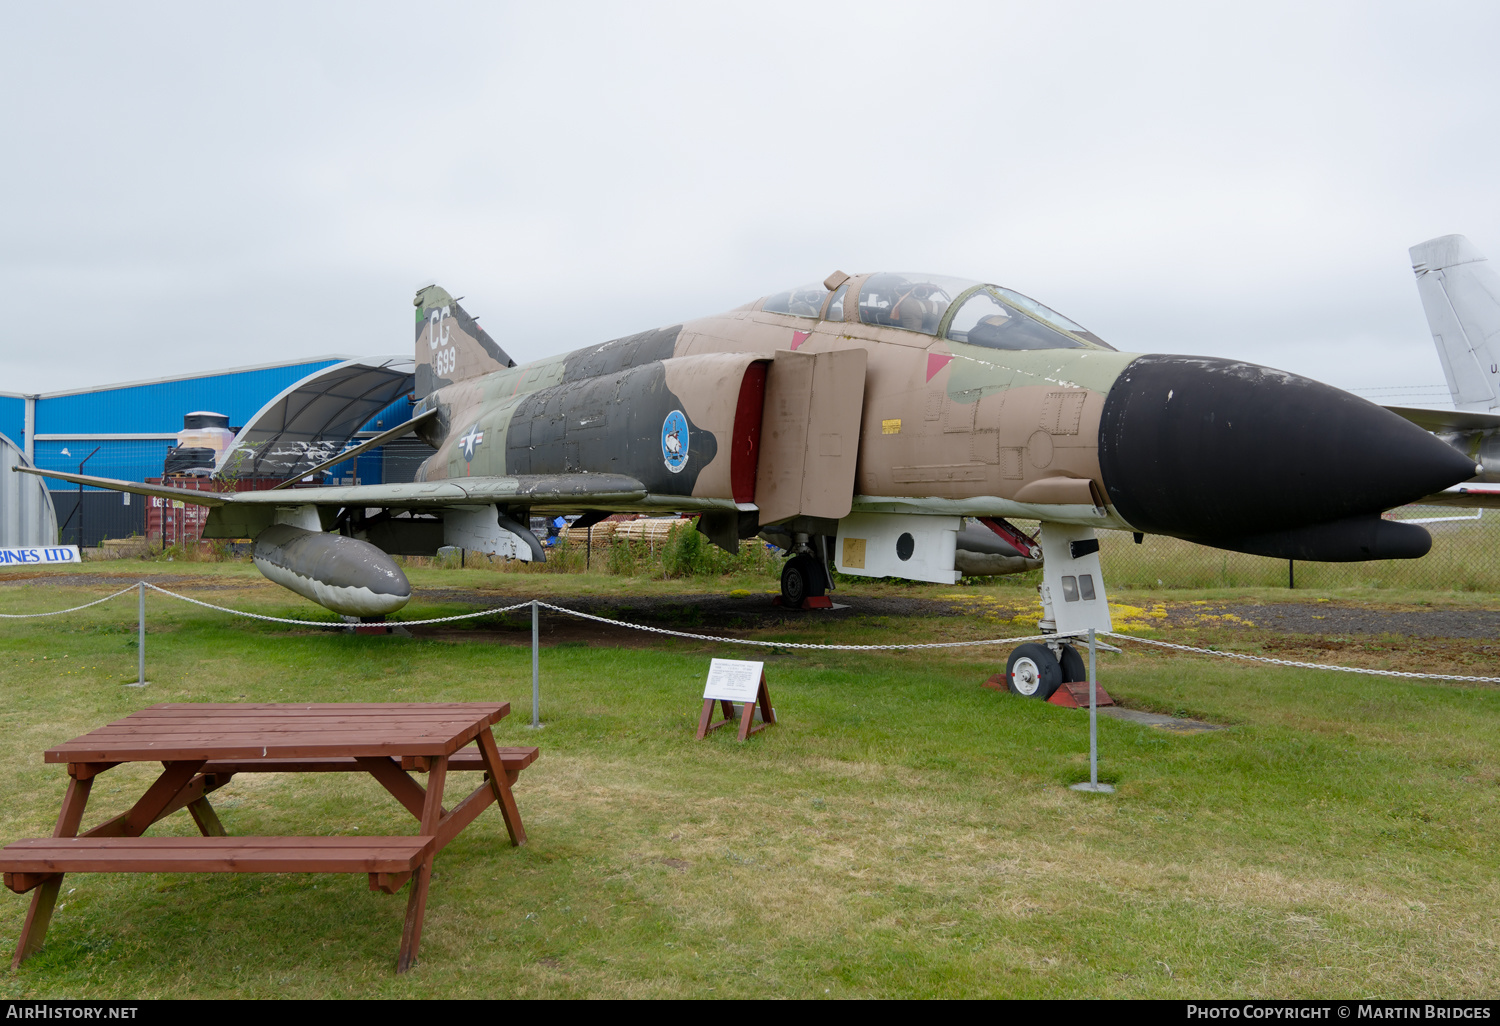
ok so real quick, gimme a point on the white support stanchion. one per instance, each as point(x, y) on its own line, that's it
point(140, 639)
point(1093, 784)
point(536, 666)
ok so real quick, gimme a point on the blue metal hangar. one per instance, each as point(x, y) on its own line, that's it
point(252, 425)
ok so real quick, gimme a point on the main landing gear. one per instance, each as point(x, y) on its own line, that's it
point(805, 578)
point(802, 578)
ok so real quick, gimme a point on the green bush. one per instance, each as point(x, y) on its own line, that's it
point(688, 554)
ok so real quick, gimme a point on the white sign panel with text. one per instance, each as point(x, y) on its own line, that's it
point(734, 680)
point(39, 555)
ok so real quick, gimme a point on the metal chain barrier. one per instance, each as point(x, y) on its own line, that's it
point(793, 644)
point(59, 612)
point(778, 644)
point(325, 623)
point(1303, 666)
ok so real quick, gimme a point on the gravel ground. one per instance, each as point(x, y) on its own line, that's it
point(1332, 618)
point(114, 582)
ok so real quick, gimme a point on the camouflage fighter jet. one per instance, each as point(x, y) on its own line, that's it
point(857, 423)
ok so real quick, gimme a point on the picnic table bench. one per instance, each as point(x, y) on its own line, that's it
point(202, 746)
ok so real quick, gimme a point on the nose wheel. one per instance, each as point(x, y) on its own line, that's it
point(801, 578)
point(1032, 671)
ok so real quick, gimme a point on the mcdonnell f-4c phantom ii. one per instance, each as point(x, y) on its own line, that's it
point(858, 424)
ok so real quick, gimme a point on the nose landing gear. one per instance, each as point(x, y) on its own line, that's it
point(1035, 670)
point(1032, 671)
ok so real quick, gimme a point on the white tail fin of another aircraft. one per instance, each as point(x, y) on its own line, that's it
point(1460, 292)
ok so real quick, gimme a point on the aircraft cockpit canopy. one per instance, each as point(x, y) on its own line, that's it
point(805, 301)
point(915, 302)
point(998, 318)
point(955, 308)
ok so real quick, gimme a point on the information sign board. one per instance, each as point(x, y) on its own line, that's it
point(733, 680)
point(39, 555)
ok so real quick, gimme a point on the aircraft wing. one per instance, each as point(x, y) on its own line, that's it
point(1473, 495)
point(568, 491)
point(1448, 420)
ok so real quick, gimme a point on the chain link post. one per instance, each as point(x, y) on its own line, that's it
point(1093, 784)
point(536, 665)
point(140, 637)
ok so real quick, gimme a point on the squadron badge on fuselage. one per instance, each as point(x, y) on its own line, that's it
point(674, 441)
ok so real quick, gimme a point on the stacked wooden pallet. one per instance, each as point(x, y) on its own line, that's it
point(654, 530)
point(650, 530)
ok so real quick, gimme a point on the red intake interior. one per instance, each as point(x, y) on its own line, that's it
point(744, 450)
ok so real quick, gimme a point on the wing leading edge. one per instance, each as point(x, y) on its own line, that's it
point(580, 491)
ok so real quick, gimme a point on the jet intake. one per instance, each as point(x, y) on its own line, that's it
point(346, 575)
point(1343, 541)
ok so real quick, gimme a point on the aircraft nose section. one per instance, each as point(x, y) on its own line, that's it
point(1205, 448)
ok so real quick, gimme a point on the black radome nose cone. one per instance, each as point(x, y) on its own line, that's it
point(1203, 448)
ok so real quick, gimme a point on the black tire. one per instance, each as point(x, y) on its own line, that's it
point(801, 578)
point(1075, 669)
point(1032, 672)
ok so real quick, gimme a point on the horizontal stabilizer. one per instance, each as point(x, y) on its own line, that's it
point(1448, 420)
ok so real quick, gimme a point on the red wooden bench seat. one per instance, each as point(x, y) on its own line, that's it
point(27, 863)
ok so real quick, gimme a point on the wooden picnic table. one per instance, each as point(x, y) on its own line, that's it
point(202, 745)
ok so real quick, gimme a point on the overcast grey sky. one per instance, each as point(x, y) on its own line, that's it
point(189, 187)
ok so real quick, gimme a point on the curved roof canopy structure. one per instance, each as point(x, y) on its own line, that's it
point(314, 419)
point(27, 516)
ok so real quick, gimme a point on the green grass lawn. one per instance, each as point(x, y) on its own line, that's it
point(902, 832)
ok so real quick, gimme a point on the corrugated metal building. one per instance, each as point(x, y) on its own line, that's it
point(125, 430)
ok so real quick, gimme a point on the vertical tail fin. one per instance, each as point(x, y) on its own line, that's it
point(451, 346)
point(1461, 295)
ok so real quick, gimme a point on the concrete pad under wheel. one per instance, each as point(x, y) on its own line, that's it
point(1172, 723)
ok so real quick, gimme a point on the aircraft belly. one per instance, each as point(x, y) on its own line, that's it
point(916, 548)
point(994, 506)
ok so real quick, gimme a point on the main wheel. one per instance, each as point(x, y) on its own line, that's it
point(1032, 672)
point(801, 578)
point(1074, 669)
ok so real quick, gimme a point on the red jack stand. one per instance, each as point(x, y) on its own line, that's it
point(1076, 696)
point(1073, 695)
point(811, 602)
